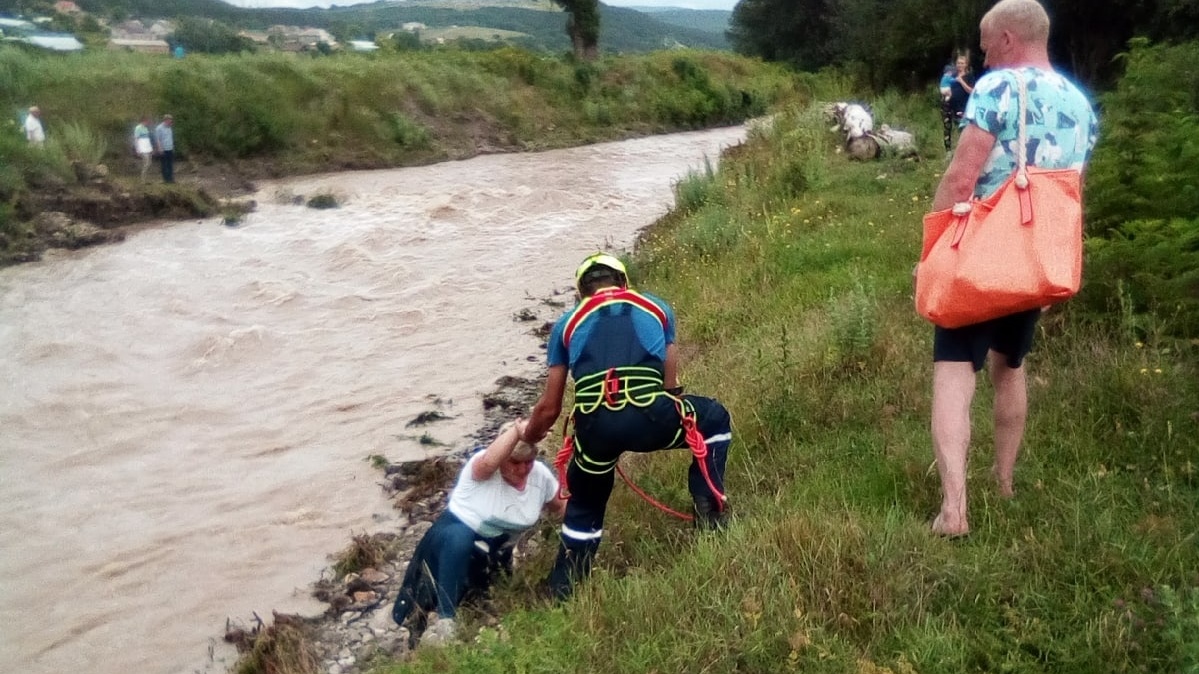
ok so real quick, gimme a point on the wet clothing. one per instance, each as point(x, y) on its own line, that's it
point(471, 543)
point(614, 344)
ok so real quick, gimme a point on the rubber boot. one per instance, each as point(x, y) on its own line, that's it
point(572, 565)
point(708, 514)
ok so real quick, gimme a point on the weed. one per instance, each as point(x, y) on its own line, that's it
point(363, 552)
point(284, 647)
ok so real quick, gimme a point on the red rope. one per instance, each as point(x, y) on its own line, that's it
point(650, 500)
point(695, 441)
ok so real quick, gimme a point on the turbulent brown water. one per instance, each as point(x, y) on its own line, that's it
point(185, 417)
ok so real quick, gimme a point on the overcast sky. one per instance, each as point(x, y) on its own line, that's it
point(688, 4)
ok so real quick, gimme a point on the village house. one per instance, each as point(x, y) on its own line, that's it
point(67, 7)
point(295, 39)
point(144, 46)
point(133, 35)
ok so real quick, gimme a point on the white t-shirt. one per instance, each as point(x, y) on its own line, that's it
point(34, 132)
point(493, 507)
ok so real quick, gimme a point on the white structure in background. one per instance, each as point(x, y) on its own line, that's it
point(17, 30)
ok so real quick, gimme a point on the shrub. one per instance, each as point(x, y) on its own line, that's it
point(81, 144)
point(1143, 189)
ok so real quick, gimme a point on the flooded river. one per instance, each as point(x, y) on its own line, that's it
point(186, 417)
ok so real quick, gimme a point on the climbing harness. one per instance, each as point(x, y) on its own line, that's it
point(619, 387)
point(604, 392)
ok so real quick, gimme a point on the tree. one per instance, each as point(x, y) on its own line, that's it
point(210, 37)
point(582, 27)
point(792, 31)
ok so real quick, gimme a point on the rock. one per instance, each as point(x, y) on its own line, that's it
point(373, 576)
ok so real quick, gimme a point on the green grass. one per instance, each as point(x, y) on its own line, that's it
point(386, 109)
point(790, 271)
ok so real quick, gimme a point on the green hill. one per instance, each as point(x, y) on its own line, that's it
point(623, 30)
point(707, 20)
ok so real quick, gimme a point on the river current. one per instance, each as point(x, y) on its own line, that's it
point(186, 417)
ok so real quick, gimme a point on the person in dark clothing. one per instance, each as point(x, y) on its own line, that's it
point(955, 91)
point(618, 346)
point(164, 144)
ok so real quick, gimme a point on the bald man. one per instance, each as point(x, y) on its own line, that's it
point(1061, 128)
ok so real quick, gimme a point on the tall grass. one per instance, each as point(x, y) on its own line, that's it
point(790, 270)
point(311, 114)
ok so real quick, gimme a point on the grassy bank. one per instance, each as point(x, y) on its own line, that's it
point(275, 114)
point(790, 270)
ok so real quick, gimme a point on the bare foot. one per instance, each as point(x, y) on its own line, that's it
point(1003, 484)
point(941, 527)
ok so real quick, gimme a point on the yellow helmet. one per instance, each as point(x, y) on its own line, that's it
point(600, 260)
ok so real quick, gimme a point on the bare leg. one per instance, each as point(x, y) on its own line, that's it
point(1011, 412)
point(953, 391)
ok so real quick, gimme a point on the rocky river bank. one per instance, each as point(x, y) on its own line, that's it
point(360, 587)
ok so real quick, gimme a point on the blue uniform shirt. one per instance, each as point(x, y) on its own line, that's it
point(652, 335)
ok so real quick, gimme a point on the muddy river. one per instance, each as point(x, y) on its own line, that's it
point(186, 417)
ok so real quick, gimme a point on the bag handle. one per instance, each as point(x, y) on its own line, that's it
point(963, 208)
point(1022, 152)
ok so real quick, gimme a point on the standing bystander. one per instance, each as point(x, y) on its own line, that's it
point(143, 146)
point(35, 133)
point(1061, 131)
point(164, 142)
point(956, 86)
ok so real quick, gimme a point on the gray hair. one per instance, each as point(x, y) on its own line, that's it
point(523, 451)
point(1026, 19)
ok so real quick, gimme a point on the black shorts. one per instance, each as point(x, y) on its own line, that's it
point(1009, 335)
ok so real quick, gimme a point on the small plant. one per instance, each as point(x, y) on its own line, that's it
point(378, 461)
point(695, 189)
point(363, 552)
point(854, 323)
point(81, 144)
point(407, 133)
point(282, 648)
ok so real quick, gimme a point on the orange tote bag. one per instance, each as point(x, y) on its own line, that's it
point(1019, 249)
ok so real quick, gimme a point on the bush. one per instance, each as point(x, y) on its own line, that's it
point(1143, 189)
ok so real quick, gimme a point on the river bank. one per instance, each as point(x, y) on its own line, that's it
point(239, 120)
point(356, 628)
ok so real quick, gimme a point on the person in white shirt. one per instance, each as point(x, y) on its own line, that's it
point(500, 493)
point(34, 132)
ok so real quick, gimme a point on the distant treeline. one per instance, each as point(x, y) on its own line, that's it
point(905, 42)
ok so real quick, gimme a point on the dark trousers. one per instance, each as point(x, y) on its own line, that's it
point(950, 118)
point(600, 438)
point(167, 158)
point(447, 565)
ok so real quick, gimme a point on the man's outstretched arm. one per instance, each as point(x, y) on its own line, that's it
point(548, 407)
